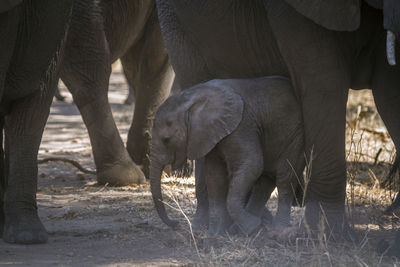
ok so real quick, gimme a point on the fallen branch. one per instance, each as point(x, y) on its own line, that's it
point(70, 161)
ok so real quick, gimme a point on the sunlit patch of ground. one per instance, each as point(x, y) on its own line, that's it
point(91, 224)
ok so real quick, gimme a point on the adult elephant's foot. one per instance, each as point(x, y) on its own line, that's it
point(329, 218)
point(121, 174)
point(24, 228)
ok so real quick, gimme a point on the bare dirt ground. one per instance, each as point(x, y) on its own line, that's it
point(99, 225)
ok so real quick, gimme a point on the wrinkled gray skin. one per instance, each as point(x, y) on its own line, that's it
point(99, 35)
point(31, 42)
point(324, 46)
point(247, 130)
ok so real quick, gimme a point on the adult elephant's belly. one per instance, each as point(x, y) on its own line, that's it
point(234, 38)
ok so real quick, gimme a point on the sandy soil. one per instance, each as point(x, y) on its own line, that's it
point(96, 225)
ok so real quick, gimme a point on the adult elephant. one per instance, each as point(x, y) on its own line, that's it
point(325, 47)
point(100, 33)
point(31, 41)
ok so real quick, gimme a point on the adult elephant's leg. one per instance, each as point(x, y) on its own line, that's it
point(188, 62)
point(321, 78)
point(8, 31)
point(8, 35)
point(22, 224)
point(24, 125)
point(148, 70)
point(29, 89)
point(386, 90)
point(86, 71)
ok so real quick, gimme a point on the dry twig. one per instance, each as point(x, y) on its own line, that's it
point(70, 161)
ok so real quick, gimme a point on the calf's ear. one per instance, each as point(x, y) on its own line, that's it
point(338, 15)
point(6, 5)
point(212, 113)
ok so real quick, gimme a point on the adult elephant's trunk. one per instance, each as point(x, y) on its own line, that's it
point(391, 48)
point(155, 184)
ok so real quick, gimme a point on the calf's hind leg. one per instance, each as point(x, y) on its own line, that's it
point(259, 196)
point(245, 171)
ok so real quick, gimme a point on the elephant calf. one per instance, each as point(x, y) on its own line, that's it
point(250, 133)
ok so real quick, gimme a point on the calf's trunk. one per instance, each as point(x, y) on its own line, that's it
point(155, 184)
